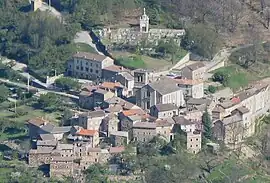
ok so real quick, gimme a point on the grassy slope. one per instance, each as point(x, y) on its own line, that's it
point(238, 77)
point(85, 48)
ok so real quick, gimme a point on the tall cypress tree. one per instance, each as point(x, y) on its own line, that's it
point(207, 125)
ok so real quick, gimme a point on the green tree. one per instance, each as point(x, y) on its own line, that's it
point(207, 125)
point(221, 77)
point(67, 83)
point(3, 93)
point(49, 101)
point(212, 89)
point(96, 174)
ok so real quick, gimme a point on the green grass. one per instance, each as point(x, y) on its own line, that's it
point(131, 62)
point(237, 77)
point(85, 48)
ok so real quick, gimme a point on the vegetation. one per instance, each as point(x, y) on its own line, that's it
point(67, 83)
point(234, 77)
point(207, 125)
point(82, 47)
point(212, 89)
point(132, 62)
point(37, 38)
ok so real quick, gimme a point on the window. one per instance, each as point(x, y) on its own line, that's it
point(97, 154)
point(96, 160)
point(196, 145)
point(96, 65)
point(97, 71)
point(87, 69)
point(190, 145)
point(91, 64)
point(197, 139)
point(91, 70)
point(86, 63)
point(194, 152)
point(190, 139)
point(82, 68)
point(77, 67)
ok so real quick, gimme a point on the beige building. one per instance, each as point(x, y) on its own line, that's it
point(191, 88)
point(194, 71)
point(88, 65)
point(91, 120)
point(194, 141)
point(127, 80)
point(146, 131)
point(243, 109)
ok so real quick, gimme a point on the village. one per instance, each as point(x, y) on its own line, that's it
point(120, 107)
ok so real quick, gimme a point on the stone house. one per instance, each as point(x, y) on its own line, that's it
point(82, 135)
point(119, 138)
point(194, 141)
point(194, 71)
point(127, 80)
point(38, 157)
point(191, 88)
point(109, 73)
point(162, 91)
point(249, 104)
point(91, 120)
point(88, 65)
point(61, 166)
point(112, 102)
point(110, 124)
point(144, 131)
point(230, 130)
point(141, 78)
point(185, 124)
point(57, 131)
point(34, 125)
point(46, 144)
point(164, 110)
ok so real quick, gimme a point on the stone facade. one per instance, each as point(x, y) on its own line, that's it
point(133, 36)
point(194, 142)
point(238, 114)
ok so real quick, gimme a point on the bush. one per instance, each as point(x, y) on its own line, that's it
point(221, 77)
point(212, 89)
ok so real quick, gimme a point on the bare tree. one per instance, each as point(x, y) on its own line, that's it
point(266, 16)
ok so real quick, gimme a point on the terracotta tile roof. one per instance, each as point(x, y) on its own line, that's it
point(84, 132)
point(188, 81)
point(132, 112)
point(37, 121)
point(236, 100)
point(116, 149)
point(115, 68)
point(110, 85)
point(89, 56)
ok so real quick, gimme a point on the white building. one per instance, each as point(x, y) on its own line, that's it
point(88, 65)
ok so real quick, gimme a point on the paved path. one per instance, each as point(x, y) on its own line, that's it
point(42, 91)
point(84, 37)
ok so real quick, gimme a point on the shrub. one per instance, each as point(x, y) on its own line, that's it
point(212, 89)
